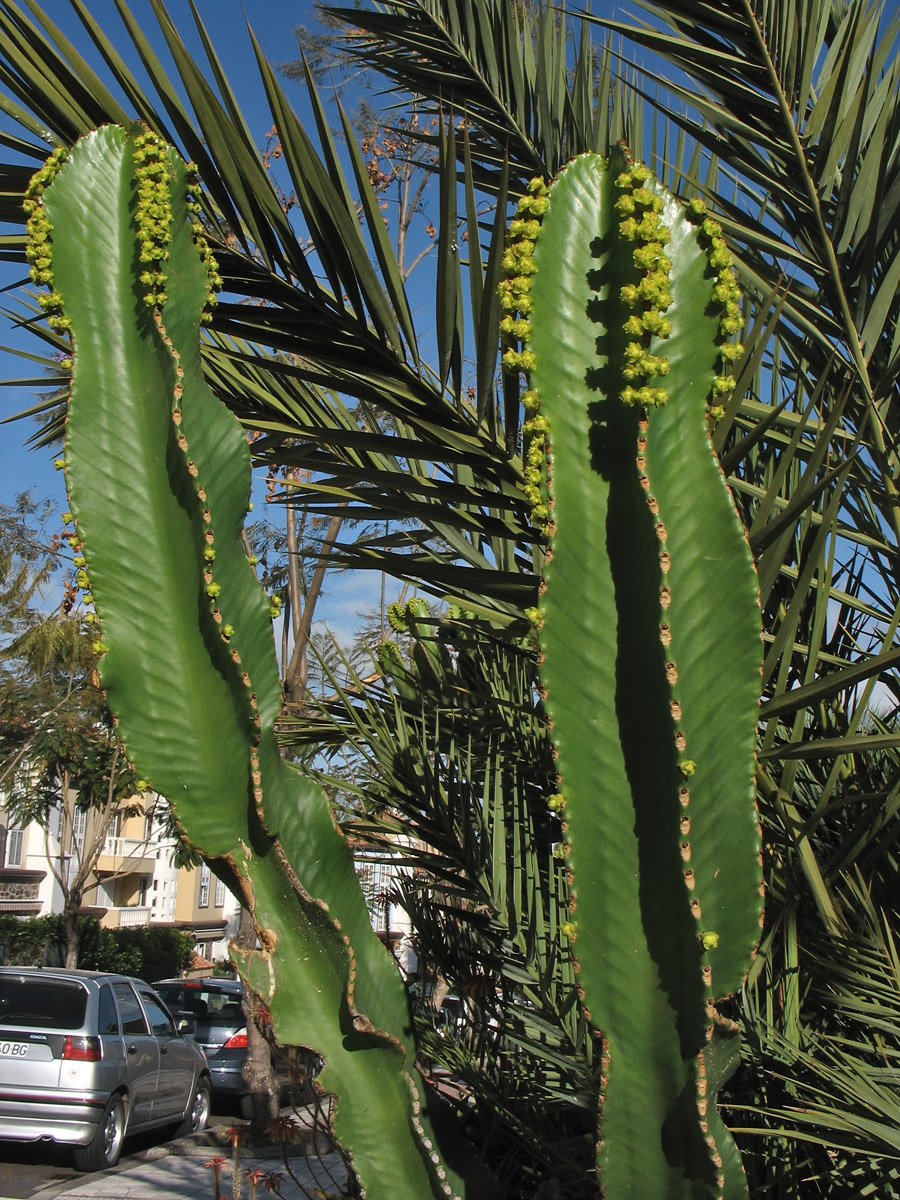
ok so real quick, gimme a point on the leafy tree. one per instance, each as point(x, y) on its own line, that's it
point(27, 564)
point(59, 752)
point(68, 761)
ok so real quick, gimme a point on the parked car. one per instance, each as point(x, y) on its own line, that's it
point(215, 1005)
point(87, 1058)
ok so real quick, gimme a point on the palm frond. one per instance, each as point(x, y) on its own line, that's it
point(530, 94)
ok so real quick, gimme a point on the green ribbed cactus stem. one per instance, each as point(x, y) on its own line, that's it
point(158, 474)
point(621, 305)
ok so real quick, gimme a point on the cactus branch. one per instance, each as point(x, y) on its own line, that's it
point(158, 474)
point(649, 630)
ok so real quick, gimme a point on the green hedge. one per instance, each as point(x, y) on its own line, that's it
point(148, 951)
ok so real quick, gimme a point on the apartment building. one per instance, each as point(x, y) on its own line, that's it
point(134, 879)
point(377, 871)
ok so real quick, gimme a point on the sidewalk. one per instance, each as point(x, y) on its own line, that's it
point(181, 1174)
point(179, 1170)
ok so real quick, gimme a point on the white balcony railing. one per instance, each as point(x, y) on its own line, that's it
point(121, 847)
point(131, 916)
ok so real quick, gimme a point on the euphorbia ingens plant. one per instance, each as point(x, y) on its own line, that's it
point(158, 474)
point(621, 307)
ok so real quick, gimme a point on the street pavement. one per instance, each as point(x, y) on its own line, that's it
point(186, 1169)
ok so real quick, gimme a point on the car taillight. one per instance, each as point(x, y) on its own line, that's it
point(82, 1049)
point(237, 1042)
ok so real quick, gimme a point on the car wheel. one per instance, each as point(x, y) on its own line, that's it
point(106, 1147)
point(196, 1117)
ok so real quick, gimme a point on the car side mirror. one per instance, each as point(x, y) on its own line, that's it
point(187, 1026)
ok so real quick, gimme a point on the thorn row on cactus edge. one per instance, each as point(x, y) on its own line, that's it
point(433, 1160)
point(568, 929)
point(640, 222)
point(360, 1022)
point(39, 253)
point(707, 939)
point(726, 298)
point(201, 242)
point(153, 216)
point(515, 328)
point(153, 219)
point(211, 587)
point(39, 249)
point(702, 1110)
point(82, 583)
point(256, 779)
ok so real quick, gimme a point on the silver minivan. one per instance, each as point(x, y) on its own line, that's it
point(87, 1057)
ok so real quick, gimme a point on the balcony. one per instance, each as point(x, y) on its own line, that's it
point(127, 856)
point(21, 908)
point(128, 917)
point(19, 891)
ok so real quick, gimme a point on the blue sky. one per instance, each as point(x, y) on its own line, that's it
point(349, 597)
point(23, 469)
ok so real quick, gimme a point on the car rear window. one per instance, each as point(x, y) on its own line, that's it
point(207, 1005)
point(42, 1003)
point(229, 1014)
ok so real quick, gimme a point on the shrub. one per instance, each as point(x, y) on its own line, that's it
point(150, 951)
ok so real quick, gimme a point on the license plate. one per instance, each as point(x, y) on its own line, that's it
point(13, 1050)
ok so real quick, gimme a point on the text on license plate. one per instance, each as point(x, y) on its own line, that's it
point(13, 1049)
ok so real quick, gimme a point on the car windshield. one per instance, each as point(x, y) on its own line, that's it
point(42, 1003)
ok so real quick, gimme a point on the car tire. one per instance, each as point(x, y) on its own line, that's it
point(196, 1117)
point(105, 1148)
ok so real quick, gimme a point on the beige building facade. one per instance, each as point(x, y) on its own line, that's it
point(134, 880)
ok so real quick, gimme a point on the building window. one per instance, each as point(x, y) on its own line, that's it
point(220, 894)
point(203, 902)
point(375, 884)
point(15, 844)
point(79, 824)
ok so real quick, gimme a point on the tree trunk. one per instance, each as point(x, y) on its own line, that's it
point(296, 673)
point(258, 1072)
point(73, 933)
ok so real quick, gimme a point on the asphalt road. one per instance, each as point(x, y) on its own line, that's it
point(27, 1168)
